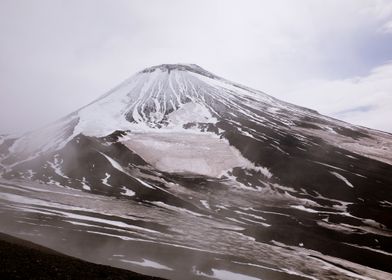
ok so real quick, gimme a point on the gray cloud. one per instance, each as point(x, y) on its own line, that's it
point(365, 100)
point(56, 56)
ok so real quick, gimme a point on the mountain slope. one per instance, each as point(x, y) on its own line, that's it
point(24, 260)
point(179, 138)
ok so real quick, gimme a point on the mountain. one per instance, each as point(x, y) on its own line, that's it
point(286, 193)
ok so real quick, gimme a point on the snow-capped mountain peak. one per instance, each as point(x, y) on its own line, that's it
point(181, 97)
point(148, 98)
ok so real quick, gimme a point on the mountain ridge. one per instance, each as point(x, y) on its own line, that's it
point(179, 142)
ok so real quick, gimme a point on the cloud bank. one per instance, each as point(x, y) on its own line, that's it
point(365, 101)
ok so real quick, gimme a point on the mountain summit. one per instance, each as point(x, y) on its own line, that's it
point(179, 138)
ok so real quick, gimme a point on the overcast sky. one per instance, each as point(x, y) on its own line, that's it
point(334, 56)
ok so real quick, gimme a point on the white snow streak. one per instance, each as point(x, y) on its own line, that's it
point(148, 263)
point(128, 192)
point(341, 177)
point(105, 180)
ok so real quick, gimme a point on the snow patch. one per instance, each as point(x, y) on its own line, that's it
point(194, 153)
point(341, 177)
point(205, 204)
point(105, 180)
point(303, 208)
point(84, 185)
point(174, 208)
point(191, 112)
point(128, 192)
point(226, 275)
point(148, 263)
